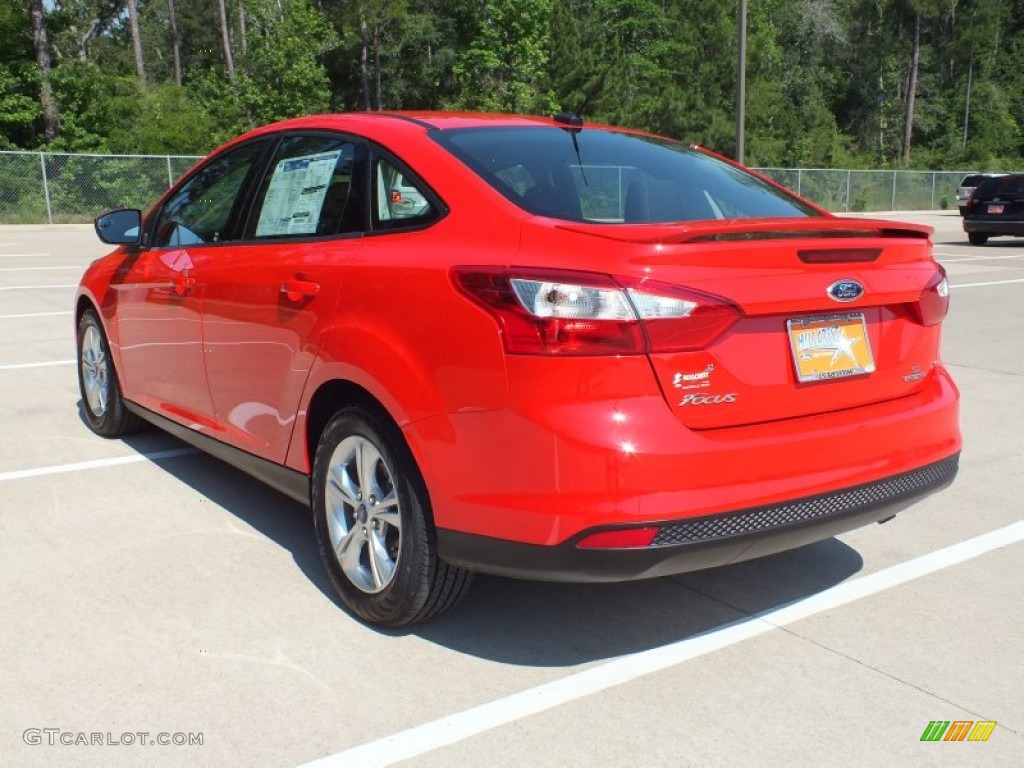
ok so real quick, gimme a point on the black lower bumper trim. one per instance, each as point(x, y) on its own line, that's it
point(697, 543)
point(994, 227)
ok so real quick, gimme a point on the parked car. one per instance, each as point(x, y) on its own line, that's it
point(964, 189)
point(967, 185)
point(996, 208)
point(530, 347)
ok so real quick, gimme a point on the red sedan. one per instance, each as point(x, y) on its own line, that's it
point(524, 346)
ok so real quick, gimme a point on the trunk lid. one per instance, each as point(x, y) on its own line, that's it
point(827, 314)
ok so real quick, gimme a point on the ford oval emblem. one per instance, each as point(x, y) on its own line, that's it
point(845, 290)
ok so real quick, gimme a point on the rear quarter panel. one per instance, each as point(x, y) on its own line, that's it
point(404, 334)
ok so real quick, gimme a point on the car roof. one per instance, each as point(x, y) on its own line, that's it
point(425, 119)
point(399, 123)
point(972, 179)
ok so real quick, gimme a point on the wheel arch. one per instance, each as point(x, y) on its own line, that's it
point(83, 304)
point(333, 395)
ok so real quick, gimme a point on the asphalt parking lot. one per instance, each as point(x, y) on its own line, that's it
point(149, 589)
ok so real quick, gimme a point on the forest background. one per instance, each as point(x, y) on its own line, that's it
point(830, 83)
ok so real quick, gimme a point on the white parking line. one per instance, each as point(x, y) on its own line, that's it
point(994, 282)
point(987, 258)
point(35, 314)
point(471, 722)
point(20, 255)
point(31, 287)
point(38, 269)
point(21, 474)
point(36, 365)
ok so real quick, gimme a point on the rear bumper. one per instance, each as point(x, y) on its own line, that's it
point(691, 544)
point(544, 472)
point(994, 227)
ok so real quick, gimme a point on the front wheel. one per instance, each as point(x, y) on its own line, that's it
point(105, 412)
point(374, 525)
point(977, 238)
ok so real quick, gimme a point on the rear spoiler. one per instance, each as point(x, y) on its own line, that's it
point(751, 229)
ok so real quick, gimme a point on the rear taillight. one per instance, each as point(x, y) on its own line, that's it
point(933, 305)
point(561, 312)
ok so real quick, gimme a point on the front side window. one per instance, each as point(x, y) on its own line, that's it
point(201, 211)
point(312, 188)
point(597, 175)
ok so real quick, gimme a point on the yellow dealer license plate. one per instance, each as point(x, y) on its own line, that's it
point(830, 346)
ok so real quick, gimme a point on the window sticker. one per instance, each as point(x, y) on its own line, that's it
point(296, 195)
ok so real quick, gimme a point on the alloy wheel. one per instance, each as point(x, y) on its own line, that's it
point(363, 514)
point(95, 373)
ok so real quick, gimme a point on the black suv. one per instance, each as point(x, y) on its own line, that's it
point(995, 208)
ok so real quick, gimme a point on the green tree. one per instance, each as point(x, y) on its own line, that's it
point(282, 72)
point(19, 84)
point(504, 67)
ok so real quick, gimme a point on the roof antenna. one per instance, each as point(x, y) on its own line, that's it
point(574, 124)
point(571, 119)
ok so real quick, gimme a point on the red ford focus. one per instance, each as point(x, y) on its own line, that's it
point(523, 346)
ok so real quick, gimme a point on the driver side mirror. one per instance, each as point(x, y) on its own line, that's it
point(120, 227)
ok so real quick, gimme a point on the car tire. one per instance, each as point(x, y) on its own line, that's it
point(963, 209)
point(374, 525)
point(977, 238)
point(102, 404)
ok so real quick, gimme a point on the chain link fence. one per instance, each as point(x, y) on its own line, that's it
point(59, 188)
point(843, 191)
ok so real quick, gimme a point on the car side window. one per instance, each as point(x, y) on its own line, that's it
point(312, 188)
point(397, 200)
point(201, 210)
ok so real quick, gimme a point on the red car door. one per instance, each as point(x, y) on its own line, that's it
point(268, 299)
point(160, 334)
point(159, 291)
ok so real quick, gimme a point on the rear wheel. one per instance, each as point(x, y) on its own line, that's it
point(977, 238)
point(374, 524)
point(104, 408)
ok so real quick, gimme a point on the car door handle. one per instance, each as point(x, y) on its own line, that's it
point(184, 284)
point(297, 290)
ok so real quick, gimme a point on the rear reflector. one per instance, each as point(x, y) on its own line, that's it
point(625, 538)
point(839, 255)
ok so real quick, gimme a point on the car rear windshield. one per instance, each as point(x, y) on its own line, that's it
point(1000, 186)
point(596, 175)
point(973, 181)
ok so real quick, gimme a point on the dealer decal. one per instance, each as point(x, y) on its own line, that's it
point(697, 380)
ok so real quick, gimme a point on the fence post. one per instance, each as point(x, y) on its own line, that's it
point(933, 190)
point(799, 181)
point(170, 179)
point(893, 206)
point(46, 189)
point(848, 174)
